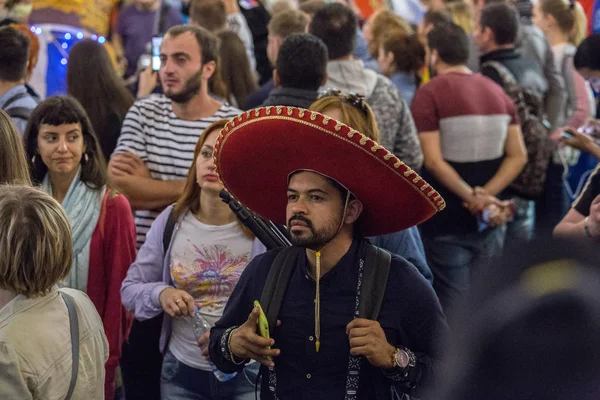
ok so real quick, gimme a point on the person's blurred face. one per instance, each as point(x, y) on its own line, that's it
point(61, 147)
point(539, 19)
point(273, 45)
point(386, 62)
point(206, 176)
point(182, 73)
point(482, 37)
point(422, 30)
point(367, 33)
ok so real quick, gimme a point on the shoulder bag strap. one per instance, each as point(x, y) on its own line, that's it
point(376, 272)
point(74, 325)
point(168, 232)
point(276, 284)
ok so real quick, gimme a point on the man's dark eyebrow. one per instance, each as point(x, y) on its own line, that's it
point(178, 54)
point(310, 191)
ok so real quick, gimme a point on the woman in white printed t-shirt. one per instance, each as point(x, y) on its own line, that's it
point(207, 252)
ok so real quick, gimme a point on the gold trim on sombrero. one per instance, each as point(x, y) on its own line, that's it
point(388, 159)
point(325, 120)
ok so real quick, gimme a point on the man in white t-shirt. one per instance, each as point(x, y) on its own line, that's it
point(156, 146)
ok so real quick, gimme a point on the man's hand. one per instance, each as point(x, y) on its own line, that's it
point(122, 164)
point(594, 217)
point(479, 201)
point(245, 343)
point(203, 344)
point(177, 302)
point(579, 141)
point(367, 339)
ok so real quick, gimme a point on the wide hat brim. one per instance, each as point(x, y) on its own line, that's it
point(257, 151)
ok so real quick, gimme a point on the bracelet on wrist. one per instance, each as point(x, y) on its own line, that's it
point(232, 356)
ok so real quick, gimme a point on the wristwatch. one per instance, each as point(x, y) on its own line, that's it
point(400, 358)
point(403, 358)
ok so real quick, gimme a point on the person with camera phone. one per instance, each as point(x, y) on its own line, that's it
point(583, 219)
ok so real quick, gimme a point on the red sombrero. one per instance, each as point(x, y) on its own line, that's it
point(257, 151)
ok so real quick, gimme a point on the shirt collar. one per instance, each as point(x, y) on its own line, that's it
point(347, 261)
point(293, 92)
point(502, 54)
point(22, 303)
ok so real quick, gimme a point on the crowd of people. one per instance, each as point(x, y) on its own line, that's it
point(420, 172)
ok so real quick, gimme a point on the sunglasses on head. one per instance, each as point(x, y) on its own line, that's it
point(355, 100)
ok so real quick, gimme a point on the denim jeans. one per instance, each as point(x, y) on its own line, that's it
point(453, 259)
point(181, 382)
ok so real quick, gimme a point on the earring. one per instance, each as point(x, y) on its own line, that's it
point(85, 157)
point(33, 159)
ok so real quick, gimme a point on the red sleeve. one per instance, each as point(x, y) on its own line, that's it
point(119, 248)
point(424, 110)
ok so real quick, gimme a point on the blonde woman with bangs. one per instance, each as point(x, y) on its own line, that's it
point(197, 266)
point(39, 337)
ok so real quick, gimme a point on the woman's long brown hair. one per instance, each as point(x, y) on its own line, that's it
point(190, 199)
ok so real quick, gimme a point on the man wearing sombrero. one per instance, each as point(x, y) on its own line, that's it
point(333, 187)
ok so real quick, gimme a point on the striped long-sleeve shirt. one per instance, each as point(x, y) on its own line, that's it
point(166, 143)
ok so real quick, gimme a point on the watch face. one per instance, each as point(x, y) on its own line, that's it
point(402, 359)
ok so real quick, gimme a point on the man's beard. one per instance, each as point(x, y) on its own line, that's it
point(190, 89)
point(317, 238)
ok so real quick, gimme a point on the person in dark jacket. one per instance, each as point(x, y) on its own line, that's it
point(301, 70)
point(280, 27)
point(334, 176)
point(533, 45)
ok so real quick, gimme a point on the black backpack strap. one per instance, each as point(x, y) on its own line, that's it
point(505, 74)
point(376, 272)
point(276, 284)
point(13, 99)
point(168, 232)
point(19, 112)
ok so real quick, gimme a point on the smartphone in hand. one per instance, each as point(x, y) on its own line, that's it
point(156, 42)
point(567, 135)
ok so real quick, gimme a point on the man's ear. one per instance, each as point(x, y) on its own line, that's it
point(353, 211)
point(276, 80)
point(208, 69)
